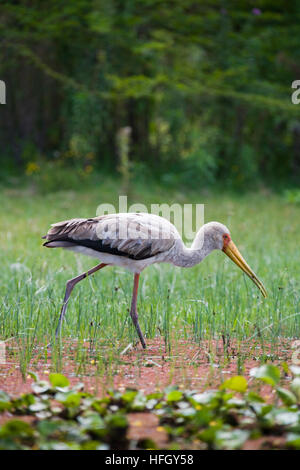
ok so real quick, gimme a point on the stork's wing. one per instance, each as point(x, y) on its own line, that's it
point(137, 236)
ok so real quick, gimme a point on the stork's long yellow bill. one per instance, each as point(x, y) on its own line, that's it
point(233, 253)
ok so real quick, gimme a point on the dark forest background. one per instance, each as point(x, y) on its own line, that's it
point(188, 92)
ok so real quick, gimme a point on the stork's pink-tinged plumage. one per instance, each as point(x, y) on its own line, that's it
point(134, 241)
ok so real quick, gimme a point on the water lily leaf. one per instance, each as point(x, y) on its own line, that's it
point(150, 404)
point(129, 396)
point(208, 435)
point(47, 427)
point(261, 409)
point(116, 428)
point(236, 403)
point(293, 440)
point(100, 407)
point(295, 386)
point(233, 439)
point(203, 417)
point(5, 403)
point(286, 396)
point(295, 370)
point(255, 397)
point(58, 380)
point(139, 402)
point(60, 446)
point(117, 421)
point(103, 447)
point(33, 375)
point(69, 399)
point(237, 384)
point(286, 418)
point(92, 445)
point(79, 387)
point(268, 373)
point(40, 387)
point(38, 406)
point(43, 414)
point(155, 395)
point(186, 412)
point(16, 428)
point(92, 422)
point(205, 397)
point(174, 395)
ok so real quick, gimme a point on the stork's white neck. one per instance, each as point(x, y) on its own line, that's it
point(203, 244)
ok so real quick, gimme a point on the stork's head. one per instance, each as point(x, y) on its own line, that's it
point(219, 237)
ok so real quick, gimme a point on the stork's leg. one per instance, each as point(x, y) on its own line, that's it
point(69, 287)
point(133, 311)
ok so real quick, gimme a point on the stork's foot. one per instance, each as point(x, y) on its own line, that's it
point(49, 345)
point(137, 343)
point(143, 343)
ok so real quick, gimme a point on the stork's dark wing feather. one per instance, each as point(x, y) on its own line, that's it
point(135, 236)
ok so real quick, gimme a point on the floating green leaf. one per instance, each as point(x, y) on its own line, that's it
point(295, 370)
point(58, 380)
point(293, 440)
point(40, 387)
point(231, 439)
point(237, 383)
point(286, 396)
point(268, 373)
point(174, 395)
point(5, 403)
point(295, 386)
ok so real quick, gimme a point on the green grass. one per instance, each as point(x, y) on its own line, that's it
point(197, 304)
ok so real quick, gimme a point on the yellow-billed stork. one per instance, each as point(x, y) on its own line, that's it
point(136, 240)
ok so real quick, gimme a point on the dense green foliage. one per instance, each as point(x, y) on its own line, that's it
point(64, 418)
point(205, 88)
